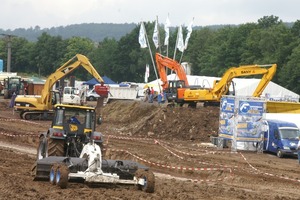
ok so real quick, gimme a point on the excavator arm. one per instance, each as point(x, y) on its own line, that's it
point(213, 95)
point(162, 62)
point(75, 62)
point(222, 86)
point(37, 107)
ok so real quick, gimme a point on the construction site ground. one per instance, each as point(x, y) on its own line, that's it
point(173, 142)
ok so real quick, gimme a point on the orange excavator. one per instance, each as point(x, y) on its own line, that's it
point(174, 89)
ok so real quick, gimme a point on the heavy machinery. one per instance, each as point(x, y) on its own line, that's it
point(65, 138)
point(90, 168)
point(12, 85)
point(174, 89)
point(181, 92)
point(211, 96)
point(41, 107)
point(74, 152)
point(74, 96)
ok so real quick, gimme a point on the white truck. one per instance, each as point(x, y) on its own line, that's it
point(74, 96)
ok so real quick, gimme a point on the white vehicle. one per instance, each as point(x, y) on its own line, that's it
point(75, 96)
point(92, 95)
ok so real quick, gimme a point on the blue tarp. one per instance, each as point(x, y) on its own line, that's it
point(94, 81)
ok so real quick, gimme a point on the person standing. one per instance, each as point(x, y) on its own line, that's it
point(147, 94)
point(151, 95)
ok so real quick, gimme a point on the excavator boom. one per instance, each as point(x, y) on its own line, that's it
point(221, 87)
point(162, 62)
point(72, 64)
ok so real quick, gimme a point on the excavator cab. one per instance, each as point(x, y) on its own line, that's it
point(175, 90)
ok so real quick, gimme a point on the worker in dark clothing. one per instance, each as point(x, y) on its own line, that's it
point(74, 119)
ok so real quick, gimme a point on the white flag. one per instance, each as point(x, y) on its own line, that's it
point(155, 34)
point(190, 29)
point(142, 38)
point(147, 73)
point(180, 42)
point(167, 26)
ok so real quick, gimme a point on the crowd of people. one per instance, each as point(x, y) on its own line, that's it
point(150, 95)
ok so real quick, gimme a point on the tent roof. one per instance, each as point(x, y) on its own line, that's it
point(94, 81)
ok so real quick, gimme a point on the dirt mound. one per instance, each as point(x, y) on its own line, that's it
point(154, 120)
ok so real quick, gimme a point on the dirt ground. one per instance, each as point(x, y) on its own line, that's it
point(173, 142)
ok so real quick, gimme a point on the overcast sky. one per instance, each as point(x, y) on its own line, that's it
point(52, 13)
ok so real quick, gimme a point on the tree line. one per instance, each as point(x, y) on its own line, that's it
point(210, 51)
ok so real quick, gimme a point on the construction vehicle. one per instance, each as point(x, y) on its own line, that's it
point(174, 89)
point(12, 85)
point(179, 91)
point(90, 168)
point(74, 152)
point(41, 107)
point(74, 96)
point(65, 137)
point(212, 96)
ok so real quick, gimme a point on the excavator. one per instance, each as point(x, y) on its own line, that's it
point(211, 96)
point(41, 107)
point(174, 89)
point(181, 92)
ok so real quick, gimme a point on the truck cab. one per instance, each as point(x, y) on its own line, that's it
point(281, 138)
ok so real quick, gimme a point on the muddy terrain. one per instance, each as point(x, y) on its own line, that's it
point(173, 142)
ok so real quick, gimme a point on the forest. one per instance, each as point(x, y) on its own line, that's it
point(210, 51)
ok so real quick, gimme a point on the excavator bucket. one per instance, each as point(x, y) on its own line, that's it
point(102, 90)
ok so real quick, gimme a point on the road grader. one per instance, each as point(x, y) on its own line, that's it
point(74, 152)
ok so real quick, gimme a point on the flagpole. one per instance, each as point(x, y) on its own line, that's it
point(176, 44)
point(181, 57)
point(167, 36)
point(154, 66)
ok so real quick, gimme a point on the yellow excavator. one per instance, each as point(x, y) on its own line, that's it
point(180, 92)
point(211, 96)
point(41, 107)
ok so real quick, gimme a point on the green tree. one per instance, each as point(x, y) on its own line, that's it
point(290, 74)
point(268, 21)
point(104, 57)
point(48, 53)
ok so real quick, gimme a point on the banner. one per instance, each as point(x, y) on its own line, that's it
point(190, 29)
point(226, 120)
point(249, 120)
point(241, 119)
point(142, 38)
point(155, 35)
point(180, 42)
point(167, 32)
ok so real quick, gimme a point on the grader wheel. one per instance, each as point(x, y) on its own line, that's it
point(52, 176)
point(62, 174)
point(149, 178)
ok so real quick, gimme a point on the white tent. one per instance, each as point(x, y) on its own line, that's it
point(243, 87)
